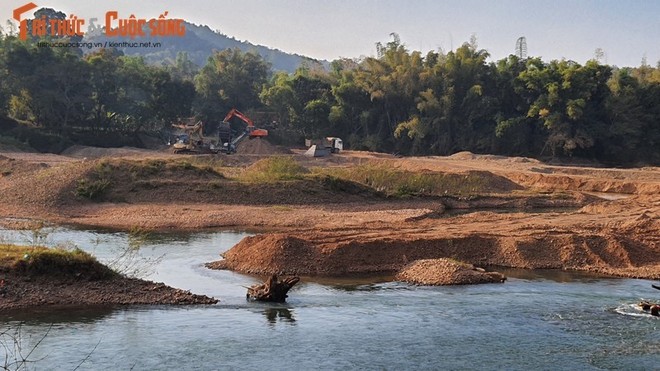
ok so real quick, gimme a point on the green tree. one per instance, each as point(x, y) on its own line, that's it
point(569, 103)
point(633, 132)
point(516, 133)
point(148, 99)
point(280, 97)
point(183, 69)
point(51, 84)
point(105, 87)
point(454, 110)
point(230, 79)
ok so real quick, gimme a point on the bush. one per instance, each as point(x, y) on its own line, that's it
point(91, 189)
point(340, 185)
point(274, 169)
point(73, 263)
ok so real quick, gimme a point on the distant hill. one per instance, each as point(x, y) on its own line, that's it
point(200, 42)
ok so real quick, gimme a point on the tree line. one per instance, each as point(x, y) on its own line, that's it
point(398, 101)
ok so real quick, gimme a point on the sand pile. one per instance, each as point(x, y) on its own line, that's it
point(439, 272)
point(269, 254)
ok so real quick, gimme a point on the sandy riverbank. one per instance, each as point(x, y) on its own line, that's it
point(538, 215)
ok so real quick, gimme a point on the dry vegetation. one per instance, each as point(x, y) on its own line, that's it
point(53, 262)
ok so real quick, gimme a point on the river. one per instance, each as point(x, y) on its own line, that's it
point(536, 320)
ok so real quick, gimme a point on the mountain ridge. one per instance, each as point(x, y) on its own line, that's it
point(199, 42)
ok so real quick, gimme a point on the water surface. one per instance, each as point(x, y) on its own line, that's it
point(536, 320)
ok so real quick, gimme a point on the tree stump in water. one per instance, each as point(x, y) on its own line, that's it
point(652, 307)
point(272, 290)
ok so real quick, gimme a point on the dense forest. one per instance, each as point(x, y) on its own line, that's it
point(399, 101)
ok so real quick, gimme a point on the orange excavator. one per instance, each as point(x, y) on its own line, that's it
point(252, 131)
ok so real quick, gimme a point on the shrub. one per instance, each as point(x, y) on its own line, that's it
point(273, 169)
point(54, 261)
point(91, 189)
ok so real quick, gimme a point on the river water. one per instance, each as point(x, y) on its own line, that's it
point(536, 320)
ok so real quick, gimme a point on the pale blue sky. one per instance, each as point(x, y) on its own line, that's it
point(328, 29)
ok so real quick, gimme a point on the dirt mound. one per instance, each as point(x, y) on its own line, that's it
point(259, 146)
point(439, 272)
point(269, 254)
point(10, 166)
point(44, 188)
point(79, 151)
point(464, 155)
point(631, 252)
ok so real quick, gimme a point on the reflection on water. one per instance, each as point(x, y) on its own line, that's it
point(59, 315)
point(284, 315)
point(351, 282)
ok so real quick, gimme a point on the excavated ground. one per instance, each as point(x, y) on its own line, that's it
point(22, 291)
point(316, 229)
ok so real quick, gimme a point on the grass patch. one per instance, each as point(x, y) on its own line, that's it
point(214, 184)
point(153, 168)
point(97, 181)
point(148, 174)
point(273, 169)
point(396, 182)
point(341, 185)
point(58, 262)
point(281, 208)
point(147, 167)
point(91, 189)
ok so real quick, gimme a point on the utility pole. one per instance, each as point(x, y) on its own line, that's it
point(521, 47)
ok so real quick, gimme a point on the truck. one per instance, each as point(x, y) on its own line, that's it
point(327, 144)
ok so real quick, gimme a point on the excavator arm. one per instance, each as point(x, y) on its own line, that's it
point(236, 113)
point(253, 132)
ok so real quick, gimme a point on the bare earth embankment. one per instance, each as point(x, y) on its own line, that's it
point(494, 211)
point(36, 276)
point(22, 291)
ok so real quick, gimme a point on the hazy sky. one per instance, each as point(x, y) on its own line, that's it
point(626, 30)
